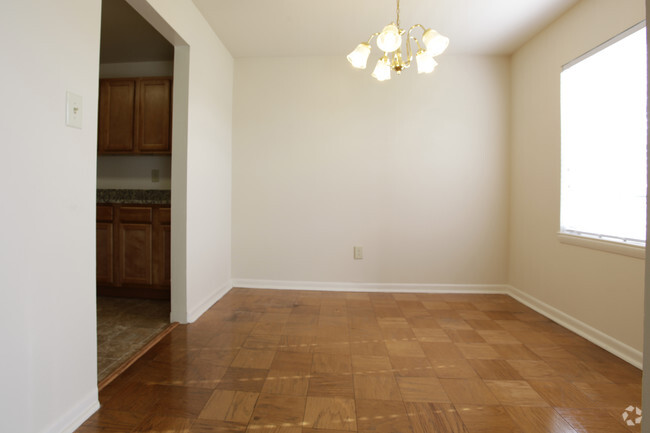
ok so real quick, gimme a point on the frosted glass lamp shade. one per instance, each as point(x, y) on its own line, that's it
point(382, 70)
point(359, 57)
point(426, 62)
point(389, 39)
point(435, 42)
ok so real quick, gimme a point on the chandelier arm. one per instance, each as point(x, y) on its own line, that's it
point(372, 36)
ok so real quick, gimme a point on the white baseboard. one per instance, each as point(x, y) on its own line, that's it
point(208, 302)
point(76, 416)
point(369, 287)
point(612, 345)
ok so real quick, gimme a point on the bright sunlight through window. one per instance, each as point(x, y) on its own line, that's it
point(604, 135)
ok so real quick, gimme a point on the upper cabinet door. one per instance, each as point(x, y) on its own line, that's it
point(155, 115)
point(135, 116)
point(117, 108)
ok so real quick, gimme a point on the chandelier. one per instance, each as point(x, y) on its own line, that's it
point(389, 40)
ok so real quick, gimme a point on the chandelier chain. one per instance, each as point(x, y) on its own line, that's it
point(397, 14)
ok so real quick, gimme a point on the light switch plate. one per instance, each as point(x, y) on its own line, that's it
point(73, 110)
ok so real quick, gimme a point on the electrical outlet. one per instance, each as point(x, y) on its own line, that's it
point(155, 175)
point(358, 253)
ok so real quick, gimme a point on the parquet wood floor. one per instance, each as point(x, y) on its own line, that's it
point(314, 362)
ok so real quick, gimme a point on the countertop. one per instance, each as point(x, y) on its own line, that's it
point(133, 196)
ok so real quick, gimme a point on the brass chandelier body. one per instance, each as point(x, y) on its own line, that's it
point(389, 40)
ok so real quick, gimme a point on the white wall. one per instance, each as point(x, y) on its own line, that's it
point(602, 290)
point(415, 170)
point(48, 367)
point(201, 165)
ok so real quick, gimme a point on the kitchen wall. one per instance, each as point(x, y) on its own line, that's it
point(414, 170)
point(48, 367)
point(600, 291)
point(134, 172)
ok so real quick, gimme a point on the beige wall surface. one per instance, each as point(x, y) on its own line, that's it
point(601, 289)
point(414, 170)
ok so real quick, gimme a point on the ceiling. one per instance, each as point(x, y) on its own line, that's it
point(254, 28)
point(251, 28)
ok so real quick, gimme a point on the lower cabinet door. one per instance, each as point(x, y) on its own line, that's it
point(105, 269)
point(135, 253)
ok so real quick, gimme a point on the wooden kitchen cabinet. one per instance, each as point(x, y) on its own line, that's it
point(134, 116)
point(133, 250)
point(105, 251)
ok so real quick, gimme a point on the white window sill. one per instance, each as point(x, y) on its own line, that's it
point(636, 251)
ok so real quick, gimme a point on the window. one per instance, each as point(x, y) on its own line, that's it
point(604, 141)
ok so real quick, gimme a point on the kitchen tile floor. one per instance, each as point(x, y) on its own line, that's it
point(124, 325)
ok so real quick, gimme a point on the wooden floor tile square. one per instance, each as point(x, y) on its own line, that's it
point(576, 371)
point(296, 343)
point(278, 410)
point(382, 417)
point(477, 351)
point(232, 406)
point(434, 418)
point(423, 322)
point(331, 363)
point(331, 385)
point(422, 389)
point(252, 358)
point(441, 351)
point(404, 348)
point(464, 336)
point(453, 323)
point(366, 347)
point(487, 419)
point(498, 337)
point(550, 351)
point(180, 401)
point(468, 391)
point(216, 426)
point(610, 394)
point(412, 366)
point(514, 351)
point(376, 386)
point(286, 383)
point(592, 420)
point(429, 335)
point(158, 423)
point(243, 379)
point(495, 369)
point(331, 413)
point(453, 369)
point(539, 420)
point(559, 393)
point(533, 369)
point(295, 362)
point(515, 393)
point(331, 345)
point(370, 364)
point(262, 342)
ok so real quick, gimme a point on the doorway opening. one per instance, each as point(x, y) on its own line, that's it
point(133, 188)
